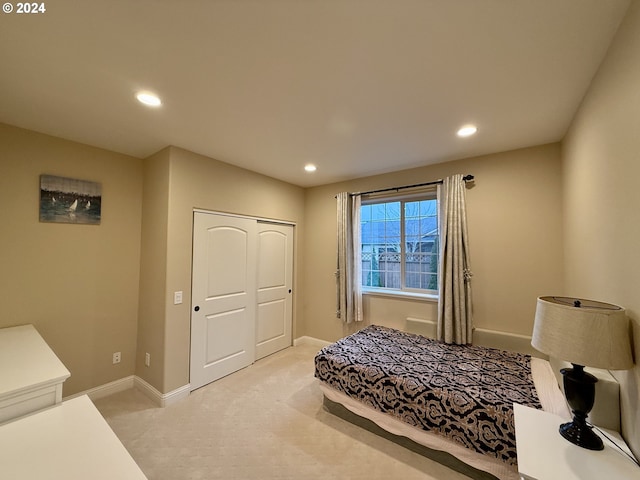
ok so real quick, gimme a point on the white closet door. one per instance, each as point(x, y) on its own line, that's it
point(223, 316)
point(274, 284)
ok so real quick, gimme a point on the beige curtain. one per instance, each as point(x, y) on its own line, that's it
point(455, 322)
point(349, 276)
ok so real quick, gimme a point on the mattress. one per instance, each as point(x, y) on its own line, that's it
point(367, 373)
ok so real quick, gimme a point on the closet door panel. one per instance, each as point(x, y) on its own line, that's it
point(223, 296)
point(274, 288)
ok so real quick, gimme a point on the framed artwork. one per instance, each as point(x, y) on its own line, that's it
point(68, 200)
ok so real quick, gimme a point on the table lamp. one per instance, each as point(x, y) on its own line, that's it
point(584, 333)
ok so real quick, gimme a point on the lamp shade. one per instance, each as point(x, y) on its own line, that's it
point(583, 332)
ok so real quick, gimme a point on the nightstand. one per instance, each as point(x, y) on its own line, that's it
point(544, 455)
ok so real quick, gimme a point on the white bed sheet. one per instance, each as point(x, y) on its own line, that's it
point(549, 393)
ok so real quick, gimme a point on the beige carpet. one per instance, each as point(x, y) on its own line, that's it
point(263, 422)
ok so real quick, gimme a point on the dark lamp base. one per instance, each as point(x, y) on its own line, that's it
point(581, 435)
point(580, 391)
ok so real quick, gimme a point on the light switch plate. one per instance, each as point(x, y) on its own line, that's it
point(177, 298)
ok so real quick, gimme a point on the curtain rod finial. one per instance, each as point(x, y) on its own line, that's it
point(468, 178)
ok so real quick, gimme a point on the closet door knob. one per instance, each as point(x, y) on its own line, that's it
point(197, 308)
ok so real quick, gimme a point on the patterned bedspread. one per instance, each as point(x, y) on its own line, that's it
point(462, 392)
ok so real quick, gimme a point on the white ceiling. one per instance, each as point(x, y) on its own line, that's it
point(358, 87)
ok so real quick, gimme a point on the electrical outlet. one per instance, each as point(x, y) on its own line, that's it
point(147, 359)
point(117, 356)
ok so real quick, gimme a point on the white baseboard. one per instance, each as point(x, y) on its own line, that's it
point(133, 381)
point(162, 399)
point(107, 389)
point(305, 340)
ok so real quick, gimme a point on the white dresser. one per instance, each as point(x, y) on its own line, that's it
point(31, 376)
point(68, 442)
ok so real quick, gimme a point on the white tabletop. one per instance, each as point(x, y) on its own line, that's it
point(543, 454)
point(26, 361)
point(70, 441)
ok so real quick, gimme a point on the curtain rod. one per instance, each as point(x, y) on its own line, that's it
point(466, 178)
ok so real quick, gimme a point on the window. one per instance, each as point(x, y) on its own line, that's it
point(400, 244)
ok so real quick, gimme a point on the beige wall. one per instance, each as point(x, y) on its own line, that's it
point(515, 226)
point(601, 161)
point(78, 284)
point(196, 181)
point(94, 290)
point(153, 268)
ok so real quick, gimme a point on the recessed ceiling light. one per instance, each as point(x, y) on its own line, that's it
point(467, 131)
point(310, 167)
point(149, 99)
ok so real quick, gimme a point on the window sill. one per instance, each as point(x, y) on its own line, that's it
point(378, 292)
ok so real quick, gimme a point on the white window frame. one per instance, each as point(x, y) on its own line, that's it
point(404, 291)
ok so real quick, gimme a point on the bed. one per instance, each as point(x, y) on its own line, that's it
point(452, 403)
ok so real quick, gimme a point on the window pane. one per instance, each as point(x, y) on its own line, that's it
point(421, 233)
point(392, 211)
point(389, 263)
point(400, 235)
point(429, 208)
point(365, 213)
